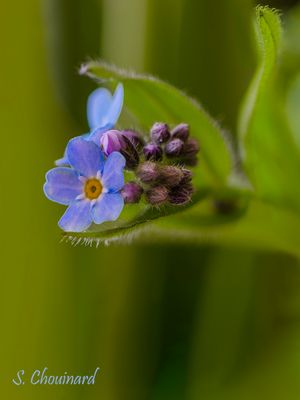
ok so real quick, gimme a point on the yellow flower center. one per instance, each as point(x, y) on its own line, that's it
point(92, 188)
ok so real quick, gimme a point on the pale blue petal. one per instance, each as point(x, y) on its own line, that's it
point(62, 185)
point(98, 106)
point(85, 157)
point(103, 108)
point(107, 208)
point(62, 162)
point(77, 217)
point(96, 135)
point(116, 105)
point(113, 175)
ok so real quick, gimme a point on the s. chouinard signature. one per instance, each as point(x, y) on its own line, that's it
point(42, 377)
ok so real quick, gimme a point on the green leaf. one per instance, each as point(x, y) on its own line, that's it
point(268, 31)
point(293, 108)
point(252, 225)
point(290, 75)
point(269, 154)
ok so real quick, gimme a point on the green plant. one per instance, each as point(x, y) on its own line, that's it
point(246, 193)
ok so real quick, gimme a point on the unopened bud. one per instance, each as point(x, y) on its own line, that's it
point(181, 132)
point(130, 153)
point(187, 176)
point(170, 175)
point(189, 152)
point(132, 192)
point(174, 147)
point(181, 194)
point(153, 151)
point(160, 132)
point(157, 195)
point(114, 140)
point(134, 138)
point(190, 148)
point(148, 172)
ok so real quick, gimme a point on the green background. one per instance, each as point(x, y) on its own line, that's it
point(162, 322)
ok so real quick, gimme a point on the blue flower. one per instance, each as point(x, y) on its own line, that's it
point(103, 111)
point(90, 187)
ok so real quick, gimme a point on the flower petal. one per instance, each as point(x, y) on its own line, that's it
point(77, 217)
point(98, 106)
point(85, 157)
point(107, 208)
point(103, 108)
point(116, 105)
point(113, 175)
point(62, 185)
point(62, 162)
point(97, 134)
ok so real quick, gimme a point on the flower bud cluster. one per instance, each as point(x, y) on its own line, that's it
point(175, 144)
point(159, 165)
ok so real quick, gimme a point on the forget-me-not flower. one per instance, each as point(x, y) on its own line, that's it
point(103, 111)
point(90, 187)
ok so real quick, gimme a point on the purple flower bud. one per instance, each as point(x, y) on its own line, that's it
point(135, 138)
point(148, 172)
point(187, 176)
point(114, 140)
point(170, 175)
point(181, 131)
point(174, 147)
point(189, 152)
point(132, 192)
point(181, 194)
point(153, 151)
point(160, 132)
point(157, 195)
point(130, 153)
point(190, 148)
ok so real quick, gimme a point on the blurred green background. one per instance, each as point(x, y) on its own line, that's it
point(162, 322)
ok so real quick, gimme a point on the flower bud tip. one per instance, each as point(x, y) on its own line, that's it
point(181, 131)
point(153, 151)
point(170, 175)
point(148, 172)
point(157, 195)
point(160, 132)
point(174, 147)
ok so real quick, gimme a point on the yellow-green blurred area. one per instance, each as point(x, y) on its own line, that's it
point(161, 321)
